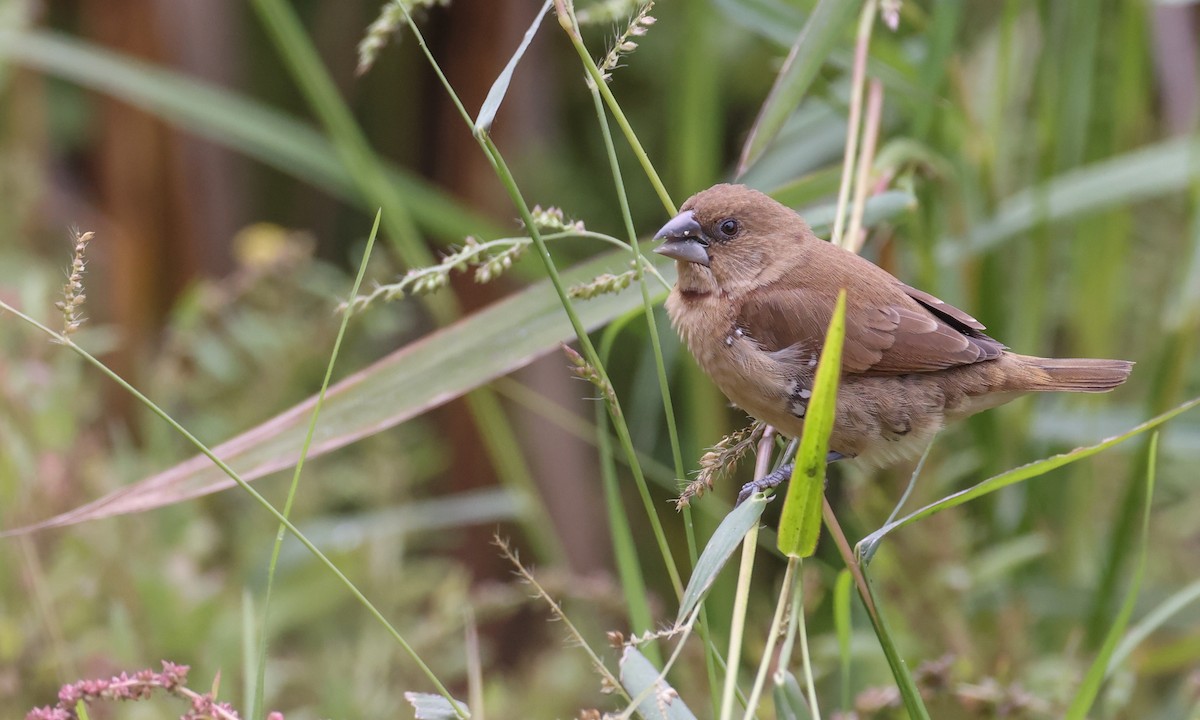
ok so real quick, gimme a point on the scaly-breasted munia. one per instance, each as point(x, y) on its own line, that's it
point(755, 295)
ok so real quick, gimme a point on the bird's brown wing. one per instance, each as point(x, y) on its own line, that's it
point(889, 333)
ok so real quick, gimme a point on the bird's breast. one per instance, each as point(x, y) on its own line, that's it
point(752, 378)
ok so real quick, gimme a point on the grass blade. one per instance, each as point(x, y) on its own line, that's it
point(1153, 620)
point(909, 694)
point(1167, 167)
point(866, 547)
point(800, 524)
point(1099, 670)
point(842, 623)
point(727, 537)
point(495, 96)
point(773, 19)
point(790, 703)
point(493, 342)
point(816, 40)
point(639, 677)
point(435, 707)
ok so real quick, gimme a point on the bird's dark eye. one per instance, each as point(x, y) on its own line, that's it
point(728, 227)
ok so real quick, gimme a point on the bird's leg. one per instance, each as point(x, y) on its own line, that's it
point(776, 478)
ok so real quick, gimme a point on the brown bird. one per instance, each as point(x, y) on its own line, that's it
point(755, 294)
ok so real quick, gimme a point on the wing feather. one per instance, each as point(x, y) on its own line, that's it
point(887, 333)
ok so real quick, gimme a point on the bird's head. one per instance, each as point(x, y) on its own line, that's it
point(731, 239)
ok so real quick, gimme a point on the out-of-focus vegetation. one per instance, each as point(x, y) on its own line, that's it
point(1036, 165)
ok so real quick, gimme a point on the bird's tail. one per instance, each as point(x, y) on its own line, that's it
point(1075, 374)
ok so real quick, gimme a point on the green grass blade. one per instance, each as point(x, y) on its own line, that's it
point(868, 545)
point(772, 19)
point(435, 707)
point(625, 554)
point(495, 96)
point(640, 678)
point(909, 693)
point(816, 40)
point(1167, 167)
point(1154, 619)
point(842, 617)
point(1099, 669)
point(720, 547)
point(789, 699)
point(800, 523)
point(281, 533)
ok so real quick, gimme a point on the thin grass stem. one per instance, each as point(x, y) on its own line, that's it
point(257, 707)
point(764, 666)
point(589, 351)
point(862, 184)
point(866, 21)
point(738, 625)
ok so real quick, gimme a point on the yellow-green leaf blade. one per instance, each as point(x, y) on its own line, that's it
point(800, 525)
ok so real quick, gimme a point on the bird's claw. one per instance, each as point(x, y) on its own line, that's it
point(774, 479)
point(766, 482)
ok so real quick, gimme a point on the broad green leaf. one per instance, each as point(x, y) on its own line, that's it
point(1154, 170)
point(234, 121)
point(1099, 668)
point(726, 539)
point(879, 208)
point(810, 187)
point(660, 702)
point(800, 523)
point(816, 40)
point(868, 545)
point(773, 19)
point(495, 96)
point(427, 706)
point(790, 703)
point(493, 342)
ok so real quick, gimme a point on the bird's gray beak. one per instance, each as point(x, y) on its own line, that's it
point(683, 240)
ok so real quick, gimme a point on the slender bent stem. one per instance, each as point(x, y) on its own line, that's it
point(293, 488)
point(764, 666)
point(857, 81)
point(740, 602)
point(659, 365)
point(585, 342)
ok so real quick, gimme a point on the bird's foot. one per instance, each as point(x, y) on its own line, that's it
point(776, 478)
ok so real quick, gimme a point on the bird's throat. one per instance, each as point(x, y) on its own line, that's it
point(694, 280)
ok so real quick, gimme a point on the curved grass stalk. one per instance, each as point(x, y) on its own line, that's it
point(659, 364)
point(858, 80)
point(257, 705)
point(589, 351)
point(760, 679)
